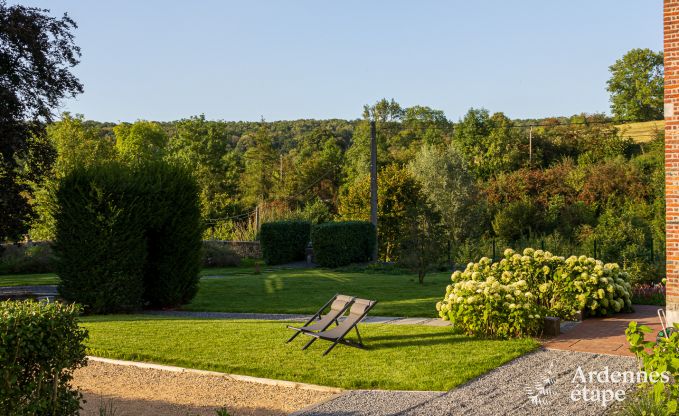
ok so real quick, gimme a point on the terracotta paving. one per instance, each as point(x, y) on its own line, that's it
point(606, 335)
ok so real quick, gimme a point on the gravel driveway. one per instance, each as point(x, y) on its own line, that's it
point(137, 391)
point(504, 391)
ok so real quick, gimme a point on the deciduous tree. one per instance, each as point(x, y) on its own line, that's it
point(37, 52)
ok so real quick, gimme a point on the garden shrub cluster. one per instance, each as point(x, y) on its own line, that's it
point(26, 258)
point(127, 236)
point(218, 255)
point(284, 241)
point(657, 358)
point(41, 345)
point(511, 297)
point(341, 243)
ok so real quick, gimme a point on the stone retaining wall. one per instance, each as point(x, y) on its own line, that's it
point(245, 249)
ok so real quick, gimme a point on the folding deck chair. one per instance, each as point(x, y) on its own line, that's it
point(359, 310)
point(338, 305)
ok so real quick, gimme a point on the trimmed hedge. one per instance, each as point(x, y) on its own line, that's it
point(127, 237)
point(340, 243)
point(41, 345)
point(284, 241)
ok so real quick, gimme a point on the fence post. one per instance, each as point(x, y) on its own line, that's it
point(595, 256)
point(450, 261)
point(493, 249)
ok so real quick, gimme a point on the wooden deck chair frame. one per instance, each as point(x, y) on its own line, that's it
point(349, 323)
point(321, 325)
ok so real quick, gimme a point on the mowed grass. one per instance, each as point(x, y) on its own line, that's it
point(29, 279)
point(276, 290)
point(398, 357)
point(305, 290)
point(39, 279)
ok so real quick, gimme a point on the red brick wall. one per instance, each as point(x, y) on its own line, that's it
point(671, 47)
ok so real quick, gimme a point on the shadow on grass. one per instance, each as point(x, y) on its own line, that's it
point(383, 342)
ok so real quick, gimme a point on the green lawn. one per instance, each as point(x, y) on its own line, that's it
point(398, 357)
point(238, 289)
point(305, 290)
point(28, 279)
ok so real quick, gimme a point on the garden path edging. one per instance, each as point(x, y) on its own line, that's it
point(249, 379)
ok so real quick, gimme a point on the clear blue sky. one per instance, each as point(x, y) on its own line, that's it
point(165, 60)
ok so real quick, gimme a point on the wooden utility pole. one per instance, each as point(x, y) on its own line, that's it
point(530, 147)
point(373, 181)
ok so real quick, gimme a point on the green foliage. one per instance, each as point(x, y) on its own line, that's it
point(511, 297)
point(489, 143)
point(449, 187)
point(36, 57)
point(657, 358)
point(206, 149)
point(624, 234)
point(284, 241)
point(423, 240)
point(340, 243)
point(27, 259)
point(261, 174)
point(218, 255)
point(516, 220)
point(641, 404)
point(398, 192)
point(41, 344)
point(636, 86)
point(140, 141)
point(127, 236)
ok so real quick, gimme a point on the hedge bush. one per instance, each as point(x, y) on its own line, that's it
point(216, 254)
point(284, 241)
point(127, 237)
point(41, 345)
point(26, 258)
point(512, 296)
point(340, 243)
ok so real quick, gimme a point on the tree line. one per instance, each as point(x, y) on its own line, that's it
point(446, 189)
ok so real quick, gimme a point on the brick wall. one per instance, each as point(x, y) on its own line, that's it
point(671, 48)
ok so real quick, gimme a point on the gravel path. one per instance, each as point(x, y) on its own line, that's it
point(34, 292)
point(148, 392)
point(503, 391)
point(392, 320)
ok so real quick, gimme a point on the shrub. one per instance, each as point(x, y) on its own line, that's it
point(657, 358)
point(511, 297)
point(30, 258)
point(41, 345)
point(127, 236)
point(340, 243)
point(284, 241)
point(219, 255)
point(649, 294)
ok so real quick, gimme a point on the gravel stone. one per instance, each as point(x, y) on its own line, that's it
point(146, 392)
point(503, 391)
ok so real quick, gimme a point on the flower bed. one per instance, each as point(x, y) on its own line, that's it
point(511, 297)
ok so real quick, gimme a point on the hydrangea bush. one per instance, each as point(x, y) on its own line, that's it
point(511, 297)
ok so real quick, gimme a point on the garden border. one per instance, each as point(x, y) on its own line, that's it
point(236, 377)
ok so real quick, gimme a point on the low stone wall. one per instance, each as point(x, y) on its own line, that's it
point(245, 249)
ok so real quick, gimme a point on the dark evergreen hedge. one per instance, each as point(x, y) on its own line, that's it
point(284, 241)
point(340, 243)
point(127, 237)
